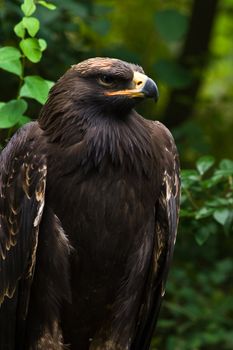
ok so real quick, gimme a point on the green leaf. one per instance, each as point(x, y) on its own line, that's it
point(201, 236)
point(171, 24)
point(204, 232)
point(31, 49)
point(189, 177)
point(186, 213)
point(226, 164)
point(204, 163)
point(43, 44)
point(221, 215)
point(217, 202)
point(173, 74)
point(23, 120)
point(10, 60)
point(9, 53)
point(48, 5)
point(2, 104)
point(36, 87)
point(222, 175)
point(28, 7)
point(11, 112)
point(32, 25)
point(19, 30)
point(204, 212)
point(211, 182)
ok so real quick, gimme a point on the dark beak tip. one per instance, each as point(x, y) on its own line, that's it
point(150, 89)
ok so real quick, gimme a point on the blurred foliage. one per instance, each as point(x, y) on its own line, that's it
point(39, 40)
point(198, 310)
point(207, 197)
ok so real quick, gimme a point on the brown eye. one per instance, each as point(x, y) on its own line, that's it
point(106, 80)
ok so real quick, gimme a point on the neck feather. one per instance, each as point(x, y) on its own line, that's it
point(121, 140)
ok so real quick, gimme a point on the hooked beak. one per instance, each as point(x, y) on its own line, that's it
point(142, 86)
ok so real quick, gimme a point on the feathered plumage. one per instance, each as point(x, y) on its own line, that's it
point(89, 199)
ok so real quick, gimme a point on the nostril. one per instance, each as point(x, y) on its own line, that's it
point(139, 83)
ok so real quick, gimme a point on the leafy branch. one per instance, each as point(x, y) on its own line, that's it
point(207, 197)
point(13, 60)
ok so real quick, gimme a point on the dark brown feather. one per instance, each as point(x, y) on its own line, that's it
point(22, 191)
point(166, 222)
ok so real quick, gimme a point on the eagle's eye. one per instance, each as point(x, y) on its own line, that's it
point(106, 80)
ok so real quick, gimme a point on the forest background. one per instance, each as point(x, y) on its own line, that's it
point(186, 47)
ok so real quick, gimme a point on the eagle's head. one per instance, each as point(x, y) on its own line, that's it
point(96, 87)
point(111, 83)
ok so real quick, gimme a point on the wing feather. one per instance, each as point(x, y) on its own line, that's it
point(22, 192)
point(166, 222)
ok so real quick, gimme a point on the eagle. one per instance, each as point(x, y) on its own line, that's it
point(89, 201)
